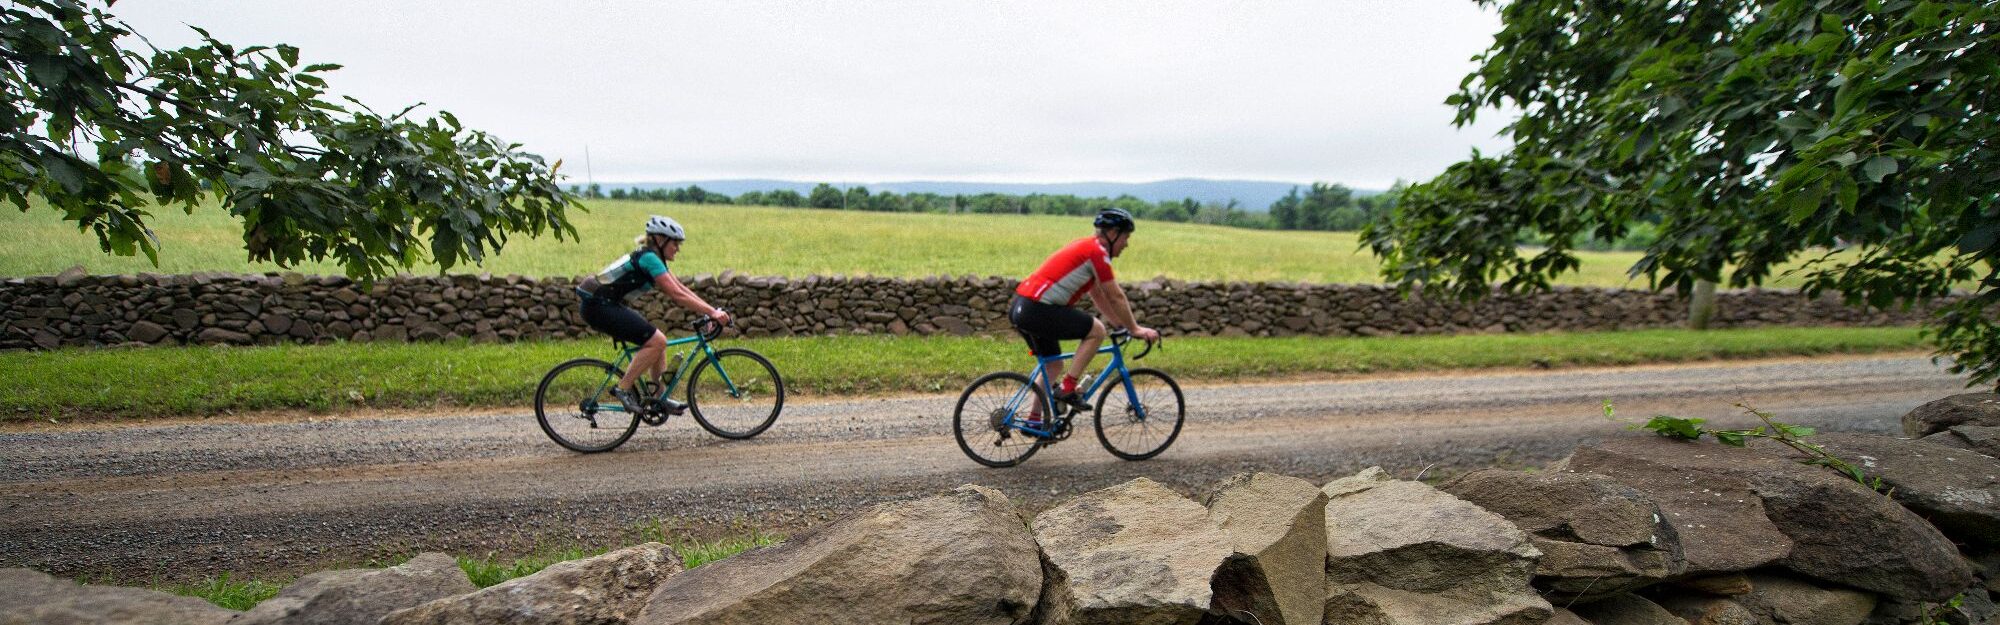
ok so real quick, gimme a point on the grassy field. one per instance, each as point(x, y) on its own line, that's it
point(74, 383)
point(788, 242)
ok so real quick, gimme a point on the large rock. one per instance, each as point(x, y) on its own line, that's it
point(361, 596)
point(1597, 537)
point(1403, 552)
point(964, 557)
point(29, 597)
point(1134, 553)
point(1741, 508)
point(1727, 585)
point(1980, 409)
point(1626, 609)
point(219, 336)
point(1786, 600)
point(147, 332)
point(604, 590)
point(1565, 617)
point(1956, 490)
point(1700, 609)
point(1277, 526)
point(1985, 440)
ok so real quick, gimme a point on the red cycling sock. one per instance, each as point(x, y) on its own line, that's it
point(1069, 384)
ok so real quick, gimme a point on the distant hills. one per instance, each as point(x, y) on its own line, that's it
point(1250, 195)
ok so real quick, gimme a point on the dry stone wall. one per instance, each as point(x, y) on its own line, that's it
point(73, 309)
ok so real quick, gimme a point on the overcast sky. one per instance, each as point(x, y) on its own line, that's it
point(1349, 91)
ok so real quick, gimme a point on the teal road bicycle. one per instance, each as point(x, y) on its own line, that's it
point(1005, 417)
point(733, 393)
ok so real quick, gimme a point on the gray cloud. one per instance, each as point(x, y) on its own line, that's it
point(874, 91)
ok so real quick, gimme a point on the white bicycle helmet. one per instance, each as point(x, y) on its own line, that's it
point(666, 226)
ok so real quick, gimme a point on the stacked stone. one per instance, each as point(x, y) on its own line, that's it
point(73, 309)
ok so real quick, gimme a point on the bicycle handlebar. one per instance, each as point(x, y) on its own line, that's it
point(1120, 336)
point(707, 327)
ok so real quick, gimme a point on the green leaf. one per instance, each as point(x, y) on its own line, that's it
point(1879, 167)
point(1796, 431)
point(1797, 122)
point(1732, 438)
point(60, 170)
point(1675, 427)
point(1804, 203)
point(1846, 193)
point(1979, 238)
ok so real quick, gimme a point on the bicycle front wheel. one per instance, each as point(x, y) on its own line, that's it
point(577, 410)
point(988, 415)
point(737, 394)
point(1142, 429)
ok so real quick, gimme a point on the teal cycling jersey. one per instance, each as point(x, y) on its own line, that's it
point(629, 275)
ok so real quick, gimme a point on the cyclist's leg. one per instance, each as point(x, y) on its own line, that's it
point(629, 326)
point(1022, 314)
point(645, 360)
point(1050, 324)
point(1086, 350)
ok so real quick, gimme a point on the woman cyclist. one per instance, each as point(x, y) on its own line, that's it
point(605, 294)
point(1042, 309)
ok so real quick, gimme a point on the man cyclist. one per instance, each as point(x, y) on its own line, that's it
point(1042, 308)
point(605, 295)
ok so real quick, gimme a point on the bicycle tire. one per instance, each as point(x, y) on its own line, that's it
point(575, 397)
point(1153, 399)
point(736, 410)
point(988, 423)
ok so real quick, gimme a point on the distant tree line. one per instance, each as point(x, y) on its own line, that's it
point(1319, 206)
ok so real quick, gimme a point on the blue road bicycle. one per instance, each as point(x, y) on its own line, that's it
point(1005, 417)
point(733, 393)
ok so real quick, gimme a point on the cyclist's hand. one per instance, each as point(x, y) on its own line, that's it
point(720, 316)
point(1146, 334)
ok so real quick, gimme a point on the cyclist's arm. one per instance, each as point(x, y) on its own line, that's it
point(1111, 302)
point(668, 284)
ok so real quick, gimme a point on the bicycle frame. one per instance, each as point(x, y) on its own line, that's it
point(705, 350)
point(1046, 386)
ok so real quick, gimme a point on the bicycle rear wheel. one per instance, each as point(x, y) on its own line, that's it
point(1142, 430)
point(737, 394)
point(988, 415)
point(577, 410)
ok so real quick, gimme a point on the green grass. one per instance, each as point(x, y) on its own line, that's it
point(209, 380)
point(484, 571)
point(789, 242)
point(228, 593)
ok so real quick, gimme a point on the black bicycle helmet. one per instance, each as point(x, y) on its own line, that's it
point(1114, 219)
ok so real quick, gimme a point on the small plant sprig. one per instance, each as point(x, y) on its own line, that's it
point(1792, 436)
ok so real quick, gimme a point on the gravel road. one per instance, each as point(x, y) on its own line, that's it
point(275, 496)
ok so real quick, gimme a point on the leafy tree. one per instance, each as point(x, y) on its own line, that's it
point(825, 196)
point(1285, 211)
point(857, 198)
point(785, 197)
point(1758, 131)
point(103, 133)
point(1322, 201)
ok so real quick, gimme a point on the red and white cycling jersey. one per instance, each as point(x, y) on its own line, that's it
point(1068, 274)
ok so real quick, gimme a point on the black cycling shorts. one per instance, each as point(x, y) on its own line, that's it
point(620, 322)
point(1045, 326)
